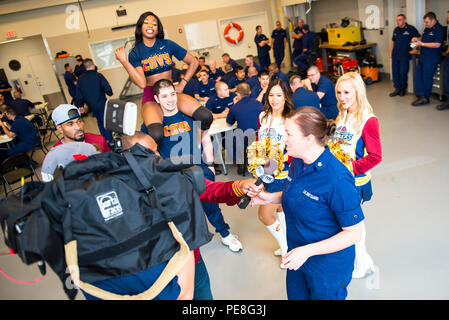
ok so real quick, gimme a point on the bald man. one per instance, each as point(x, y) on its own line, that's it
point(301, 96)
point(214, 73)
point(325, 90)
point(252, 79)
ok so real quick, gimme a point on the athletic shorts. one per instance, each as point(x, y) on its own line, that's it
point(148, 95)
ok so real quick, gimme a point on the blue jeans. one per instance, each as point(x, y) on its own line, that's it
point(304, 287)
point(213, 211)
point(202, 282)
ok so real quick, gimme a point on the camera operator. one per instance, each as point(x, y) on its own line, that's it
point(218, 192)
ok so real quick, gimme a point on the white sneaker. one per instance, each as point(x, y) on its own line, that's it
point(232, 243)
point(363, 267)
point(278, 252)
point(282, 266)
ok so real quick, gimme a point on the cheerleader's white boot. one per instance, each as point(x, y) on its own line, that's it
point(363, 264)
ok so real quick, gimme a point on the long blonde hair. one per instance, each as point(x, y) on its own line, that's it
point(364, 108)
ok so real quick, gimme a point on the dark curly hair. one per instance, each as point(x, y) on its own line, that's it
point(138, 33)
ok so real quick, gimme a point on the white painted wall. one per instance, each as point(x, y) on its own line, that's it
point(65, 19)
point(22, 51)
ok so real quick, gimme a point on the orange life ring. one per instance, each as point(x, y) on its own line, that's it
point(226, 33)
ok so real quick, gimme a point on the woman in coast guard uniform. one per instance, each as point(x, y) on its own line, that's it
point(322, 211)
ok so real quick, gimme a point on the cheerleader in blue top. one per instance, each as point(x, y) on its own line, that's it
point(150, 60)
point(322, 211)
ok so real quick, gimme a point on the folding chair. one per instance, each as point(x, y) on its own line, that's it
point(48, 128)
point(13, 169)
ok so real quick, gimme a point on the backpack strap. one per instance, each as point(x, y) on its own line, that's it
point(173, 267)
point(149, 189)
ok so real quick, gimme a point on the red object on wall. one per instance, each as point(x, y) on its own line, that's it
point(179, 30)
point(226, 33)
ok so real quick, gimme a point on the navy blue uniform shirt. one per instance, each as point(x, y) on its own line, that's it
point(282, 76)
point(318, 202)
point(246, 113)
point(205, 90)
point(190, 86)
point(307, 40)
point(305, 98)
point(255, 91)
point(217, 105)
point(258, 68)
point(402, 38)
point(214, 76)
point(227, 77)
point(70, 82)
point(253, 81)
point(22, 106)
point(234, 82)
point(91, 89)
point(264, 50)
point(24, 130)
point(329, 100)
point(297, 44)
point(233, 64)
point(158, 58)
point(434, 34)
point(278, 36)
point(179, 137)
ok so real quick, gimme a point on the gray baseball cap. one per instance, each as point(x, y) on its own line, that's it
point(61, 113)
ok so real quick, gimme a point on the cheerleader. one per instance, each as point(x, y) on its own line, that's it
point(356, 143)
point(278, 104)
point(150, 60)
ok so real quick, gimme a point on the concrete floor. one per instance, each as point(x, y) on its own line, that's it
point(407, 221)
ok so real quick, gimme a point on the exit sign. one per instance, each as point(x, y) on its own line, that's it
point(10, 35)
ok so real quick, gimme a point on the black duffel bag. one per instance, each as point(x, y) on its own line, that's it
point(121, 214)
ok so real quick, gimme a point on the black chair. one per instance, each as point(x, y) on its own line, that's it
point(49, 128)
point(14, 168)
point(38, 145)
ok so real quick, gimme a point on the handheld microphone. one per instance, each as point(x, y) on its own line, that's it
point(265, 174)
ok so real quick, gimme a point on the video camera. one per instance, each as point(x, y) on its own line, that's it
point(120, 117)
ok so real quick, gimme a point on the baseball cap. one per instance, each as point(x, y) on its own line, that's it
point(61, 113)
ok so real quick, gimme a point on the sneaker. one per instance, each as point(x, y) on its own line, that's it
point(282, 266)
point(232, 243)
point(278, 252)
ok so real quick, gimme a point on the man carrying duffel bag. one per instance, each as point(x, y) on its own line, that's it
point(129, 223)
